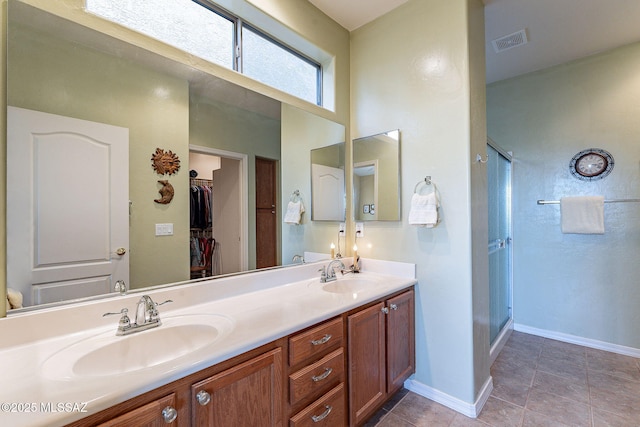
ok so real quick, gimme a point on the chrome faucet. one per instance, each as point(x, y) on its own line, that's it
point(147, 317)
point(329, 274)
point(297, 258)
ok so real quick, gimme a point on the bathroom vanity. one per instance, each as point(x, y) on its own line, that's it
point(287, 350)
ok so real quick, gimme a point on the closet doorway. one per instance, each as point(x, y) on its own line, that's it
point(500, 246)
point(229, 224)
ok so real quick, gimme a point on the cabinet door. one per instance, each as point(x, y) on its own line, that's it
point(249, 394)
point(366, 362)
point(153, 414)
point(400, 340)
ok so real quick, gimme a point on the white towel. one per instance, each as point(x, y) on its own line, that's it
point(294, 212)
point(424, 210)
point(582, 215)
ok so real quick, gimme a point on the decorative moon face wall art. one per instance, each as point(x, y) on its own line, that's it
point(591, 164)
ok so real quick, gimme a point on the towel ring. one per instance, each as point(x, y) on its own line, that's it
point(426, 181)
point(295, 196)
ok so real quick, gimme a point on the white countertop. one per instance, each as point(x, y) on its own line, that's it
point(263, 306)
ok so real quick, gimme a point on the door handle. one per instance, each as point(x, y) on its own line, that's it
point(121, 251)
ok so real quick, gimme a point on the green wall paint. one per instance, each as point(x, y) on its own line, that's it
point(413, 69)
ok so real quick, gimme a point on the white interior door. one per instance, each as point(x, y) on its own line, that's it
point(327, 193)
point(67, 206)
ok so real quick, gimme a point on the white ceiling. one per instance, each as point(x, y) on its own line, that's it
point(558, 30)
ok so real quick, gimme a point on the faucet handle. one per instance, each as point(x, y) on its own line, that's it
point(124, 322)
point(163, 302)
point(323, 274)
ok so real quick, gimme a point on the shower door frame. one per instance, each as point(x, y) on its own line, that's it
point(505, 331)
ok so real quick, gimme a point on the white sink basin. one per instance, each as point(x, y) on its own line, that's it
point(352, 284)
point(106, 354)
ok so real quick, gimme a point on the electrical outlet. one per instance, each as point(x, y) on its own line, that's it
point(342, 229)
point(360, 229)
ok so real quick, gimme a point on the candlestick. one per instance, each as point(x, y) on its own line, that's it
point(355, 257)
point(333, 250)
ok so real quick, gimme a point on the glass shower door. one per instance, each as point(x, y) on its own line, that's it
point(499, 185)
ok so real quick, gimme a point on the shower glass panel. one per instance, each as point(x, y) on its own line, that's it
point(499, 185)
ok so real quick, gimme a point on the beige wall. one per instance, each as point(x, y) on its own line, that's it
point(417, 60)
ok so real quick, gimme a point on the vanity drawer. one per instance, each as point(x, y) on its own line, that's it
point(315, 341)
point(313, 379)
point(328, 411)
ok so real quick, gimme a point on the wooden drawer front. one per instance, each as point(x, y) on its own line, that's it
point(315, 341)
point(320, 376)
point(328, 411)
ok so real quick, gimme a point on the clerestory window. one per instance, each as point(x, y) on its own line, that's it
point(204, 30)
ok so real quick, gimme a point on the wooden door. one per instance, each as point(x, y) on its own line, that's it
point(401, 359)
point(67, 206)
point(249, 394)
point(266, 225)
point(366, 362)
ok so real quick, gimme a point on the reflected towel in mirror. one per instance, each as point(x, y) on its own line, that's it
point(424, 210)
point(294, 212)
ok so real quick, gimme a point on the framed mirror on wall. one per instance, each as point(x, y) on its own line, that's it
point(376, 177)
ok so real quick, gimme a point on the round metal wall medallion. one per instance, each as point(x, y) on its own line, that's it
point(591, 164)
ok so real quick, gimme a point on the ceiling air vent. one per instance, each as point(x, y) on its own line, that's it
point(508, 42)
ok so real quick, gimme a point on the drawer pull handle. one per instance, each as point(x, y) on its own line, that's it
point(203, 397)
point(322, 340)
point(325, 374)
point(322, 416)
point(169, 414)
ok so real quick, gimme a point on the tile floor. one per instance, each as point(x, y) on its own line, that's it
point(538, 382)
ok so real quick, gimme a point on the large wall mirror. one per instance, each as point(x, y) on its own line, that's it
point(59, 70)
point(376, 177)
point(328, 194)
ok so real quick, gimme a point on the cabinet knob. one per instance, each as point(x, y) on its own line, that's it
point(203, 397)
point(385, 310)
point(322, 416)
point(169, 414)
point(393, 307)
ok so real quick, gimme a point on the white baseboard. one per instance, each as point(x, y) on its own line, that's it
point(573, 339)
point(500, 341)
point(471, 410)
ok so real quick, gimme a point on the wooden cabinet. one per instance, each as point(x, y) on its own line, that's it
point(381, 353)
point(356, 361)
point(249, 394)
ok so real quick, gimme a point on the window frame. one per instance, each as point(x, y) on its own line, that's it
point(286, 48)
point(237, 48)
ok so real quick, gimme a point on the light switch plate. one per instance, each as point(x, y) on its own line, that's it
point(360, 229)
point(164, 229)
point(342, 229)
